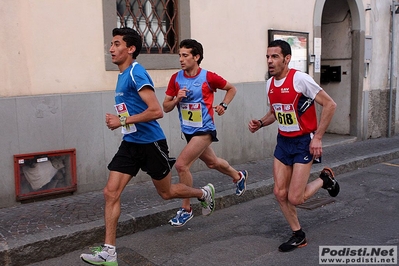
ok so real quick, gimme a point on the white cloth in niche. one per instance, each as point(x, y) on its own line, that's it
point(39, 175)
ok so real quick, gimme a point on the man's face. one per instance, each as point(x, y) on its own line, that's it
point(120, 53)
point(187, 60)
point(276, 62)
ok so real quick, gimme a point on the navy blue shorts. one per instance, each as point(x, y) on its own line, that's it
point(291, 150)
point(152, 158)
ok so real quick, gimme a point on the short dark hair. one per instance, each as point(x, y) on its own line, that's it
point(285, 46)
point(196, 48)
point(131, 37)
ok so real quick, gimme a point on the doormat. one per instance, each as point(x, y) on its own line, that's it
point(312, 204)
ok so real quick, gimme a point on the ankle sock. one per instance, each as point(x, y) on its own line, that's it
point(299, 233)
point(204, 193)
point(111, 249)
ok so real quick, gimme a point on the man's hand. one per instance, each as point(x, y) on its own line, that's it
point(254, 125)
point(181, 94)
point(315, 147)
point(219, 109)
point(112, 121)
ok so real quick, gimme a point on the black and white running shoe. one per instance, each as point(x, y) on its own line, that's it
point(296, 241)
point(329, 182)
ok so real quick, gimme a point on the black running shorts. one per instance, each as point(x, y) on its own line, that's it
point(152, 158)
point(201, 133)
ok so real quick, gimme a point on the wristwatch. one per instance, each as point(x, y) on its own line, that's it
point(224, 105)
point(122, 119)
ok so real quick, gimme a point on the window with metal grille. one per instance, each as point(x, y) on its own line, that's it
point(154, 20)
point(162, 23)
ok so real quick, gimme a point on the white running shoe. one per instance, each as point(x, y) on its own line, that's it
point(208, 203)
point(100, 256)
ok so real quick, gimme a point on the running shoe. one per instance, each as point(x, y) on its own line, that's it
point(329, 182)
point(208, 203)
point(181, 218)
point(242, 183)
point(100, 256)
point(296, 241)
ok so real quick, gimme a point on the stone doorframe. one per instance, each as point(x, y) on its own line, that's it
point(359, 100)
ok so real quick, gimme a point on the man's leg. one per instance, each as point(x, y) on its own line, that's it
point(106, 254)
point(282, 178)
point(291, 189)
point(300, 190)
point(112, 192)
point(213, 162)
point(190, 153)
point(169, 191)
point(194, 148)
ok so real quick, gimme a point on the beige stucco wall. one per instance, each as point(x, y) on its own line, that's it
point(57, 46)
point(52, 47)
point(236, 44)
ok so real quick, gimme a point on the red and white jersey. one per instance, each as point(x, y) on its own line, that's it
point(292, 101)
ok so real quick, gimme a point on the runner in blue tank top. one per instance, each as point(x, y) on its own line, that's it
point(192, 90)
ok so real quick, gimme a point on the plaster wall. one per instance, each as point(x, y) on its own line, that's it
point(58, 47)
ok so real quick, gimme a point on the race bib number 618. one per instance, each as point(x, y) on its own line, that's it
point(286, 117)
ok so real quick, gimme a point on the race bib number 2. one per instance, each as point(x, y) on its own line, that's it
point(286, 117)
point(191, 114)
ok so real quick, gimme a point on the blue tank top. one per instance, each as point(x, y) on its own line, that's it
point(195, 111)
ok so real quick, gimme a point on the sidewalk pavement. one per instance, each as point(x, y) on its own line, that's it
point(40, 230)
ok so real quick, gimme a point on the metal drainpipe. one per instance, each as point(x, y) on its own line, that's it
point(393, 7)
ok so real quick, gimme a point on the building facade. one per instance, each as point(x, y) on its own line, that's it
point(57, 81)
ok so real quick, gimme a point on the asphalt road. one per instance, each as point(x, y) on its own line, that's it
point(366, 212)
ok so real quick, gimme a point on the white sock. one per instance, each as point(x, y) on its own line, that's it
point(111, 249)
point(241, 175)
point(204, 194)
